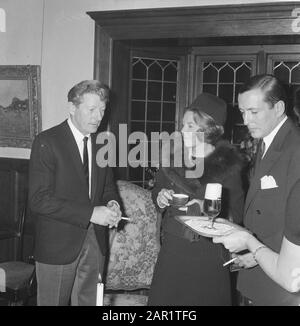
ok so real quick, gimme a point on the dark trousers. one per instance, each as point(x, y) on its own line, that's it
point(57, 284)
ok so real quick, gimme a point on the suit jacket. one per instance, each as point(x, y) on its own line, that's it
point(59, 196)
point(265, 212)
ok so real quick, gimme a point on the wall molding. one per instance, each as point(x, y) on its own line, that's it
point(194, 22)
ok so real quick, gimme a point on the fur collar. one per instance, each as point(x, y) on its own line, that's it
point(219, 165)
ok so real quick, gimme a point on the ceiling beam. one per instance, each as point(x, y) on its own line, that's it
point(199, 22)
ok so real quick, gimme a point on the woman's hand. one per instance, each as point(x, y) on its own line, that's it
point(163, 197)
point(235, 241)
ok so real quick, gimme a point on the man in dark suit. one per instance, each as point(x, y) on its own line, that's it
point(271, 271)
point(73, 201)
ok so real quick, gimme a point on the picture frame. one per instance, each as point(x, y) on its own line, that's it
point(20, 105)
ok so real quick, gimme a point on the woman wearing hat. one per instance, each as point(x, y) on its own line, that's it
point(189, 269)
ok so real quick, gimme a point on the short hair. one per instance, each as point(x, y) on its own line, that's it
point(76, 93)
point(212, 131)
point(271, 86)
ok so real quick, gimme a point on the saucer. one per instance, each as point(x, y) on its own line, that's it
point(200, 224)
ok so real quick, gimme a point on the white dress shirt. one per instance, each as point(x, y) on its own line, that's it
point(79, 141)
point(269, 138)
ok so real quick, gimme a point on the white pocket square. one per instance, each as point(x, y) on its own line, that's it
point(268, 182)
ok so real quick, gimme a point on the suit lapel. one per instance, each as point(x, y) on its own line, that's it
point(72, 149)
point(271, 157)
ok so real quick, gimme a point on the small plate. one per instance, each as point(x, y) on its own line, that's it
point(198, 224)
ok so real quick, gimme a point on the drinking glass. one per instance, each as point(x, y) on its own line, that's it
point(212, 201)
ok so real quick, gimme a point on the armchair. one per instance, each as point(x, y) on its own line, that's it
point(134, 245)
point(17, 277)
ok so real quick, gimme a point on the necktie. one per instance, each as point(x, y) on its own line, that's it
point(259, 155)
point(86, 160)
point(261, 150)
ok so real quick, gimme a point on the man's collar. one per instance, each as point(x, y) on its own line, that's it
point(269, 138)
point(77, 134)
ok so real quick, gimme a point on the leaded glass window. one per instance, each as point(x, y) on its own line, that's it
point(289, 73)
point(223, 78)
point(153, 104)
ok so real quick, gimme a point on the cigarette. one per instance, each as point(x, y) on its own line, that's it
point(126, 218)
point(230, 261)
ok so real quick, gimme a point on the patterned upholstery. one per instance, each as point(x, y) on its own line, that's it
point(134, 248)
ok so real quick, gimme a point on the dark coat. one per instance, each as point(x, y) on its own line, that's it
point(267, 212)
point(189, 268)
point(223, 166)
point(59, 198)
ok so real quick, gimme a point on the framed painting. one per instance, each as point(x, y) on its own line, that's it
point(20, 105)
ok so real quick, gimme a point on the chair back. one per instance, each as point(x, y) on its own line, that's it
point(20, 234)
point(134, 246)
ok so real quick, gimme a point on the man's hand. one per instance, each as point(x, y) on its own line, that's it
point(245, 261)
point(235, 241)
point(105, 216)
point(115, 207)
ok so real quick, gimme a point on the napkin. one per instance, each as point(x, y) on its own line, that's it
point(268, 182)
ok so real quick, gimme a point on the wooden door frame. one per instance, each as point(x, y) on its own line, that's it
point(181, 29)
point(190, 26)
